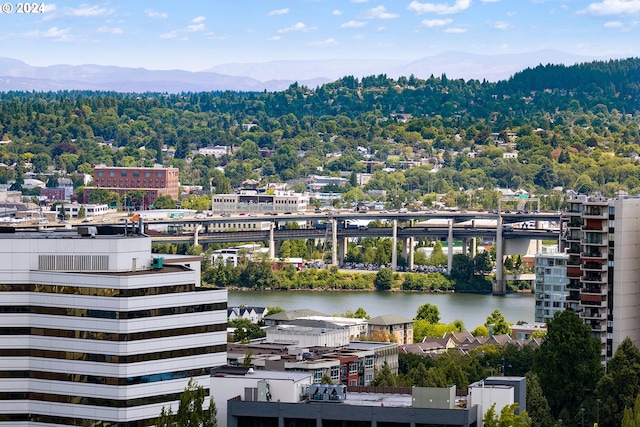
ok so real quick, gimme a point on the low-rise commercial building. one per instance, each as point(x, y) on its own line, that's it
point(251, 201)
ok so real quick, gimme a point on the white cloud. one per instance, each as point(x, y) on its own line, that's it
point(439, 8)
point(110, 30)
point(275, 38)
point(86, 10)
point(154, 14)
point(490, 1)
point(359, 1)
point(299, 26)
point(278, 12)
point(613, 24)
point(53, 33)
point(378, 12)
point(353, 24)
point(336, 12)
point(213, 36)
point(194, 28)
point(381, 28)
point(430, 23)
point(501, 25)
point(504, 46)
point(455, 30)
point(197, 25)
point(169, 35)
point(613, 7)
point(327, 42)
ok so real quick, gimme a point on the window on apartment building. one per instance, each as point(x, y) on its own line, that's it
point(136, 173)
point(100, 173)
point(353, 368)
point(368, 378)
point(335, 373)
point(318, 376)
point(368, 362)
point(159, 174)
point(112, 173)
point(147, 174)
point(123, 173)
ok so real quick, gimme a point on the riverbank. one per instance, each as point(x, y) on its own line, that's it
point(472, 308)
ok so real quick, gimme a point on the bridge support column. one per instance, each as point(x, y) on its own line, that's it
point(334, 243)
point(342, 251)
point(394, 245)
point(409, 257)
point(500, 286)
point(272, 242)
point(538, 241)
point(195, 234)
point(450, 248)
point(465, 245)
point(473, 247)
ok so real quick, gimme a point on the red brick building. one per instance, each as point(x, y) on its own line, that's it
point(154, 182)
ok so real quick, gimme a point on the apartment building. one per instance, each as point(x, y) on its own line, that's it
point(96, 330)
point(602, 241)
point(551, 285)
point(154, 182)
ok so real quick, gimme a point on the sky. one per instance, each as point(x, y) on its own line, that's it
point(197, 35)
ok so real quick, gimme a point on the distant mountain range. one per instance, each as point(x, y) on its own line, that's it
point(270, 76)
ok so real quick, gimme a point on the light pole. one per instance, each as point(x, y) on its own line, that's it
point(598, 412)
point(582, 415)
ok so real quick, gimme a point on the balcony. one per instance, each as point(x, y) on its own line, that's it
point(593, 254)
point(591, 301)
point(595, 212)
point(593, 228)
point(594, 289)
point(594, 267)
point(591, 314)
point(593, 278)
point(594, 239)
point(574, 248)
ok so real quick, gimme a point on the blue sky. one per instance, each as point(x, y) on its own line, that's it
point(197, 35)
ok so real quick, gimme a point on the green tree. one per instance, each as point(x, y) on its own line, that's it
point(537, 404)
point(631, 416)
point(567, 363)
point(508, 417)
point(164, 202)
point(437, 255)
point(274, 310)
point(428, 312)
point(384, 377)
point(245, 330)
point(191, 412)
point(621, 384)
point(497, 323)
point(384, 279)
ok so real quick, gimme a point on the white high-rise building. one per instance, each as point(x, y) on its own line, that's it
point(551, 285)
point(603, 244)
point(95, 330)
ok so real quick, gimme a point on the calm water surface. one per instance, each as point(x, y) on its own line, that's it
point(472, 309)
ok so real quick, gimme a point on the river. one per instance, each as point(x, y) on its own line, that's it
point(472, 309)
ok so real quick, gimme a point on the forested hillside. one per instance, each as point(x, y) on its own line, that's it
point(547, 127)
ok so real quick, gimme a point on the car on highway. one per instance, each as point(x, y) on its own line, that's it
point(225, 214)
